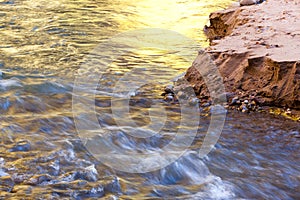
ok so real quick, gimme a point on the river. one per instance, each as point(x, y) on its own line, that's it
point(80, 87)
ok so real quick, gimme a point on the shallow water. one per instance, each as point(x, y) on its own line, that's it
point(45, 46)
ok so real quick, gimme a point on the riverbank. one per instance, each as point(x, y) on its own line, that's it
point(256, 49)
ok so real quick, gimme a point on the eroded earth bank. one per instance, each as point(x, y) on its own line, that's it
point(257, 51)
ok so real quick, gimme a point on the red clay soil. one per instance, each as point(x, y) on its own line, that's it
point(257, 51)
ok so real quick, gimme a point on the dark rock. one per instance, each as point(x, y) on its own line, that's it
point(230, 95)
point(169, 98)
point(169, 89)
point(112, 185)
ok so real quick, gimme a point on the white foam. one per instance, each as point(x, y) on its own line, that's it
point(2, 173)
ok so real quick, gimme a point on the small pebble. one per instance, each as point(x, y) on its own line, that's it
point(234, 100)
point(244, 108)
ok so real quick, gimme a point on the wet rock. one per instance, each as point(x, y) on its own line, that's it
point(248, 2)
point(253, 103)
point(38, 179)
point(234, 100)
point(90, 174)
point(10, 2)
point(6, 183)
point(53, 168)
point(288, 111)
point(79, 188)
point(259, 108)
point(206, 104)
point(169, 97)
point(20, 178)
point(2, 169)
point(230, 95)
point(4, 104)
point(3, 173)
point(23, 145)
point(169, 89)
point(244, 108)
point(112, 185)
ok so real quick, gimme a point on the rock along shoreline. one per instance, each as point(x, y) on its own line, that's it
point(257, 51)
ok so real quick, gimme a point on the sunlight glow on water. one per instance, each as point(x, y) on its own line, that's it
point(42, 45)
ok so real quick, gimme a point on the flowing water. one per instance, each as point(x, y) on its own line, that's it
point(46, 45)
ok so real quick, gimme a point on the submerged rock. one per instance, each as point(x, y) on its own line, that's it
point(7, 184)
point(23, 145)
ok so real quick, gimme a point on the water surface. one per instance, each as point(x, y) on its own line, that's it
point(42, 46)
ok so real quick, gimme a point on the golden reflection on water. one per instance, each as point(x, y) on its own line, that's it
point(187, 17)
point(57, 35)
